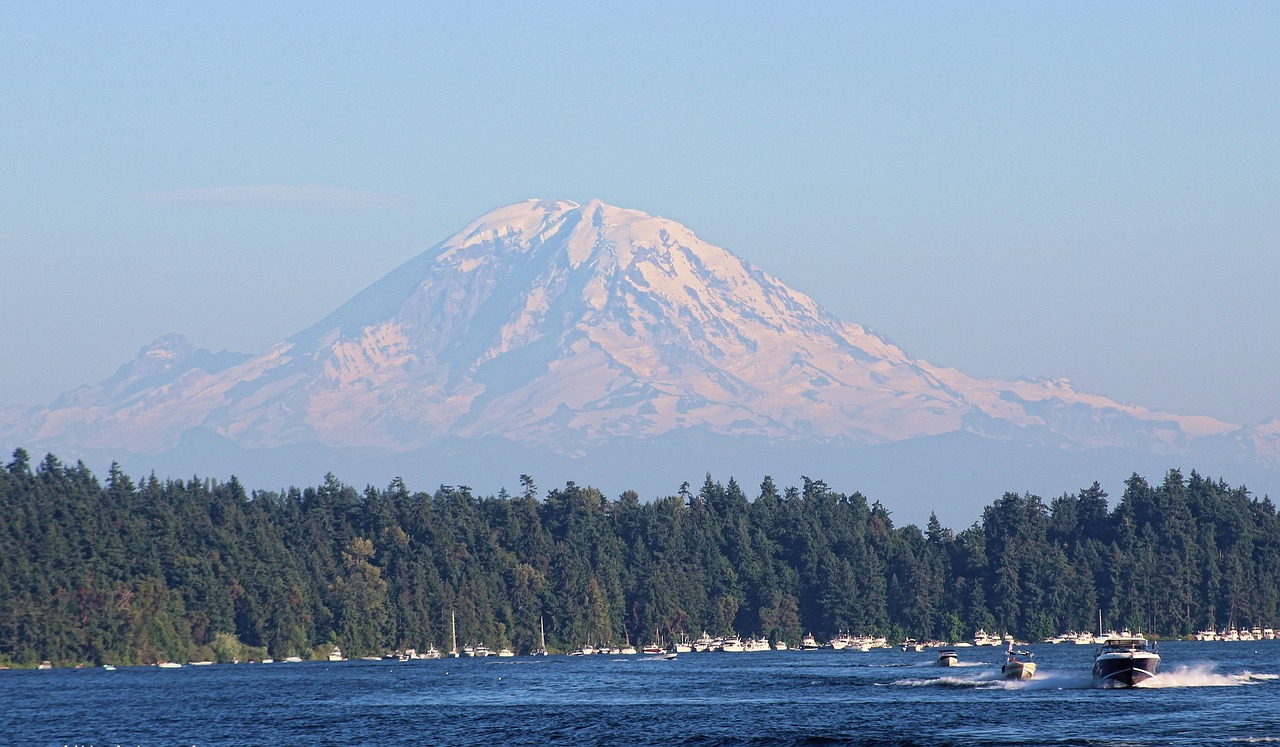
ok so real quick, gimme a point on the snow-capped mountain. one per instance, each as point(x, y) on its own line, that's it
point(562, 328)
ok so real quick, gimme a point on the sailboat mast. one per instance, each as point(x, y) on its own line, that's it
point(453, 626)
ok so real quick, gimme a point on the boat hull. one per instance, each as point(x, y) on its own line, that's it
point(1125, 670)
point(1021, 670)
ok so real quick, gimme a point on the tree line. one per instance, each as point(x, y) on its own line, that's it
point(131, 573)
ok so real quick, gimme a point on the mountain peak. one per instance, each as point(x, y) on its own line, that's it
point(561, 326)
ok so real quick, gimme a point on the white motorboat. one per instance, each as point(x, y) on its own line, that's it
point(947, 657)
point(981, 638)
point(1125, 660)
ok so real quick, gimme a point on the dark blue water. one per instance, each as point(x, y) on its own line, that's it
point(1207, 694)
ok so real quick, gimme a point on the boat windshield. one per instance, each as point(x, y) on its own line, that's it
point(1125, 644)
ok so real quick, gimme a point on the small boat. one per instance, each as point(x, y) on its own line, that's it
point(431, 652)
point(169, 665)
point(202, 663)
point(109, 667)
point(1124, 661)
point(947, 658)
point(809, 643)
point(505, 653)
point(1015, 668)
point(779, 645)
point(336, 654)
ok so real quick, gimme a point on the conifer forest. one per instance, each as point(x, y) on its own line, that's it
point(132, 572)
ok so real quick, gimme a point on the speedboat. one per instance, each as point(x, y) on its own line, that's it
point(1125, 661)
point(1017, 665)
point(947, 657)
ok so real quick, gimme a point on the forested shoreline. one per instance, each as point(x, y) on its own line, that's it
point(137, 572)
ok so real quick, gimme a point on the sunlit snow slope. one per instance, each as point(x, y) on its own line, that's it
point(563, 327)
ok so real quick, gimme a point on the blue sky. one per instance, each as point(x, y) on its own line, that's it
point(1086, 190)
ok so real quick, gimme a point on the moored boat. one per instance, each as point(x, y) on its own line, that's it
point(1125, 661)
point(981, 638)
point(542, 647)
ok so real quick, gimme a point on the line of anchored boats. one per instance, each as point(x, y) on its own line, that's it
point(1124, 660)
point(1231, 634)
